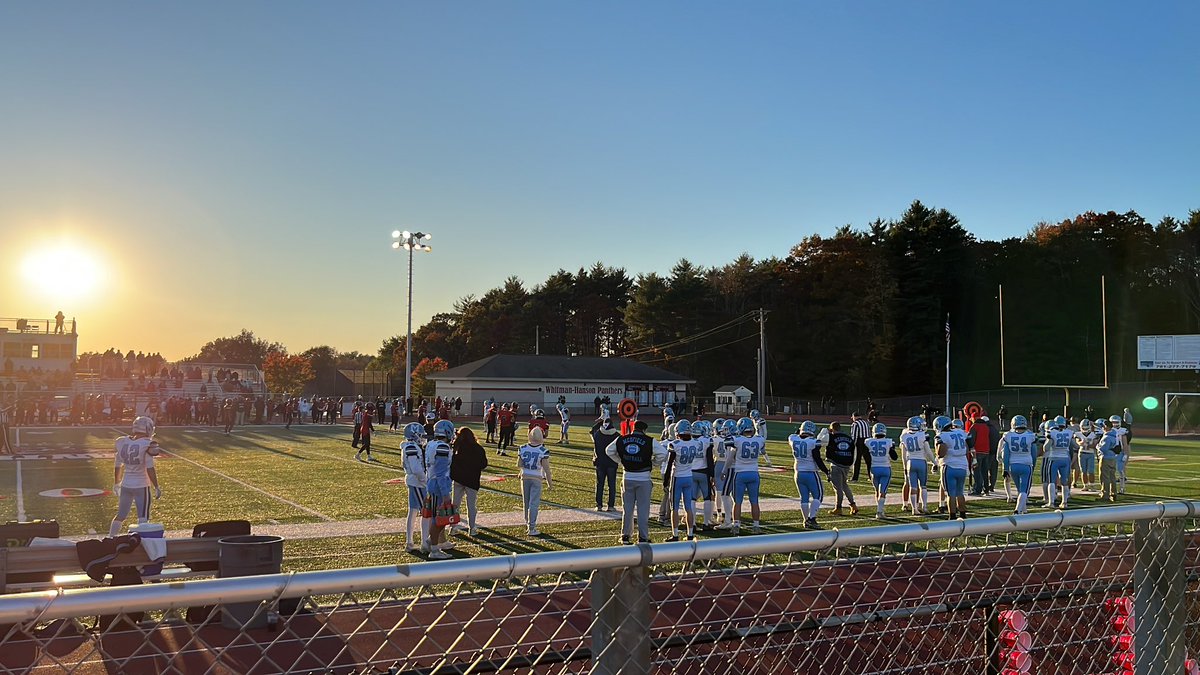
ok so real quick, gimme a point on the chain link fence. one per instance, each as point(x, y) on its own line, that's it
point(1091, 591)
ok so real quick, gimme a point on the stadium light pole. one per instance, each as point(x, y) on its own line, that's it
point(409, 241)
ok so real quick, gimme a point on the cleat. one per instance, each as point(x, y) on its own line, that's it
point(672, 538)
point(836, 512)
point(439, 555)
point(473, 532)
point(447, 544)
point(756, 530)
point(725, 526)
point(853, 510)
point(534, 533)
point(625, 541)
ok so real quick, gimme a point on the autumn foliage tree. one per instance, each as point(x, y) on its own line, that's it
point(286, 373)
point(426, 367)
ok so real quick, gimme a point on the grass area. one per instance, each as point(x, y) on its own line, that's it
point(308, 474)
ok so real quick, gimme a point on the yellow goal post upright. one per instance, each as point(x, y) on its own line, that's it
point(1065, 387)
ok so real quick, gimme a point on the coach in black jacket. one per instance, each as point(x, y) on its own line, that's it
point(603, 434)
point(840, 453)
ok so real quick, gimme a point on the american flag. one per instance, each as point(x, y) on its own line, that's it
point(947, 328)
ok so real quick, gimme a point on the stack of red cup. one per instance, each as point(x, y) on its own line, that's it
point(1123, 624)
point(1015, 642)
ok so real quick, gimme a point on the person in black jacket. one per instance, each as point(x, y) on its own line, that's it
point(466, 468)
point(840, 453)
point(603, 434)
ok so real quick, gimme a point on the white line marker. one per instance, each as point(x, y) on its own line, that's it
point(272, 521)
point(276, 497)
point(20, 495)
point(91, 531)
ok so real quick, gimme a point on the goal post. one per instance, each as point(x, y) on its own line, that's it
point(1181, 413)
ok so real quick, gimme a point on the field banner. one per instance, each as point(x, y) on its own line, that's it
point(1168, 352)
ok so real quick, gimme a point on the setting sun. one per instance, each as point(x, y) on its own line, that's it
point(63, 272)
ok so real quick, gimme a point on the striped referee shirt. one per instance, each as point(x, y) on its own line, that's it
point(860, 430)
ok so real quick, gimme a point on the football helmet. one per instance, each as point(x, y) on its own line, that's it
point(808, 428)
point(1018, 422)
point(413, 431)
point(745, 425)
point(957, 423)
point(143, 425)
point(539, 413)
point(1060, 422)
point(1085, 425)
point(719, 424)
point(915, 423)
point(879, 430)
point(755, 415)
point(1116, 421)
point(941, 422)
point(729, 428)
point(683, 427)
point(444, 429)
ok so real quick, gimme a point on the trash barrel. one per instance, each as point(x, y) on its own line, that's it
point(245, 556)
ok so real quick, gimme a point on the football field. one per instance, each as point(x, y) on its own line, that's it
point(334, 511)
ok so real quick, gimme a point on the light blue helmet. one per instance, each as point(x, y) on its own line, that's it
point(941, 422)
point(444, 429)
point(1085, 425)
point(808, 427)
point(706, 428)
point(413, 431)
point(957, 423)
point(729, 427)
point(878, 430)
point(1018, 422)
point(1060, 422)
point(915, 423)
point(1116, 421)
point(755, 415)
point(745, 425)
point(718, 424)
point(683, 427)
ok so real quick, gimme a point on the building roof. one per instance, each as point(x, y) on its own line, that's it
point(567, 368)
point(730, 388)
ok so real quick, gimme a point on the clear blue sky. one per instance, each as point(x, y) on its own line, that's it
point(243, 164)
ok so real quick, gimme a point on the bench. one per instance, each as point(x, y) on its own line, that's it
point(186, 558)
point(33, 568)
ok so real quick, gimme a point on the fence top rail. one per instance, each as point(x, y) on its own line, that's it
point(64, 603)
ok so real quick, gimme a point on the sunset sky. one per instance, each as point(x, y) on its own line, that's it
point(174, 172)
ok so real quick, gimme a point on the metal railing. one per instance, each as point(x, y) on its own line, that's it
point(43, 326)
point(1054, 592)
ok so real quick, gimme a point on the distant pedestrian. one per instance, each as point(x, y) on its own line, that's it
point(364, 432)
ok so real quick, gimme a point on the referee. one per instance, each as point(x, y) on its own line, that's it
point(860, 431)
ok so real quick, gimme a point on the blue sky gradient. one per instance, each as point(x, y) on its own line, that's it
point(243, 164)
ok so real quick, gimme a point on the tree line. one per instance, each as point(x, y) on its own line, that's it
point(862, 312)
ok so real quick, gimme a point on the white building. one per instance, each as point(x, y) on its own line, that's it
point(731, 399)
point(527, 379)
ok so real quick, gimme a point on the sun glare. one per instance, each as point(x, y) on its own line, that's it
point(63, 273)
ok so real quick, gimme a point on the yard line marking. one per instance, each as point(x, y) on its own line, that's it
point(244, 484)
point(20, 495)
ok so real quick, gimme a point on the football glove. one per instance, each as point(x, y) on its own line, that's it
point(157, 492)
point(116, 488)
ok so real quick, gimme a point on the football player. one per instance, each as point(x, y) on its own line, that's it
point(703, 483)
point(747, 448)
point(1019, 448)
point(883, 452)
point(685, 449)
point(534, 460)
point(1085, 444)
point(134, 473)
point(1110, 451)
point(952, 451)
point(1057, 449)
point(723, 437)
point(439, 489)
point(807, 456)
point(1122, 435)
point(917, 458)
point(415, 480)
point(564, 414)
point(760, 424)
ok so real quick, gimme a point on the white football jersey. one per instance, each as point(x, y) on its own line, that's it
point(1018, 447)
point(804, 450)
point(137, 454)
point(1058, 444)
point(746, 451)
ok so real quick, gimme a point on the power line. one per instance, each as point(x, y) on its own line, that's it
point(701, 351)
point(692, 337)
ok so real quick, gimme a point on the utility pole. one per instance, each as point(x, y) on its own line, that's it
point(537, 335)
point(762, 359)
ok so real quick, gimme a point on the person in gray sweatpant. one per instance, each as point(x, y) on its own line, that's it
point(637, 453)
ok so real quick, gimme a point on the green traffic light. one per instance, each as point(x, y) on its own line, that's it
point(1150, 403)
